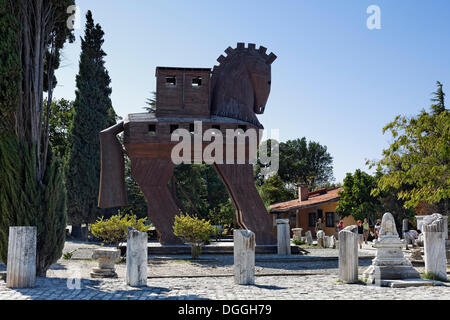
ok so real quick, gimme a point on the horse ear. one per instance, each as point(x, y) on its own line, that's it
point(271, 58)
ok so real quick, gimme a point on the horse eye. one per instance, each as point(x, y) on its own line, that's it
point(270, 82)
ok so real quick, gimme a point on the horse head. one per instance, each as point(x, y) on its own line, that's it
point(240, 84)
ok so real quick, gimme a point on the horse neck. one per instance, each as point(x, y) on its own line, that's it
point(233, 91)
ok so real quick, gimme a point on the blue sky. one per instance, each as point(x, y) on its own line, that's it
point(335, 81)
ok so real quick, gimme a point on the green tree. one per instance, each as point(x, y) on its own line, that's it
point(305, 162)
point(114, 230)
point(194, 231)
point(151, 103)
point(10, 68)
point(356, 198)
point(416, 166)
point(60, 119)
point(136, 200)
point(274, 190)
point(32, 35)
point(93, 112)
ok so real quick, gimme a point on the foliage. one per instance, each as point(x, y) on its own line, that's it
point(192, 230)
point(93, 112)
point(274, 190)
point(305, 162)
point(299, 242)
point(136, 200)
point(32, 33)
point(10, 68)
point(60, 118)
point(68, 255)
point(24, 202)
point(417, 163)
point(431, 276)
point(151, 103)
point(356, 198)
point(114, 230)
point(223, 214)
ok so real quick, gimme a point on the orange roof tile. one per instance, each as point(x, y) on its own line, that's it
point(312, 201)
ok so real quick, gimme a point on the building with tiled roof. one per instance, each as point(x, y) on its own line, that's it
point(308, 208)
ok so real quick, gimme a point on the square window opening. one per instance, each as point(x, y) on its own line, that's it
point(197, 81)
point(171, 81)
point(152, 129)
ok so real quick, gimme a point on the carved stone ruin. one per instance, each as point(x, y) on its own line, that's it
point(434, 246)
point(348, 256)
point(227, 97)
point(420, 220)
point(244, 257)
point(283, 237)
point(297, 233)
point(320, 238)
point(21, 266)
point(106, 263)
point(329, 242)
point(389, 262)
point(137, 257)
point(309, 238)
point(416, 255)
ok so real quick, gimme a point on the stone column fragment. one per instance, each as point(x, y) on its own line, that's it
point(309, 239)
point(137, 258)
point(244, 257)
point(434, 249)
point(283, 237)
point(21, 266)
point(348, 256)
point(297, 233)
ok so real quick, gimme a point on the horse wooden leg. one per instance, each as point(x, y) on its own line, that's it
point(153, 176)
point(250, 210)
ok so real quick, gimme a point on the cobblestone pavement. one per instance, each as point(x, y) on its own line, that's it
point(291, 278)
point(220, 288)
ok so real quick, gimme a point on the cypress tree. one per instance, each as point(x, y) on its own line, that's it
point(31, 185)
point(93, 112)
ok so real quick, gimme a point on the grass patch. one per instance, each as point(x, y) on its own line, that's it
point(67, 255)
point(362, 281)
point(431, 276)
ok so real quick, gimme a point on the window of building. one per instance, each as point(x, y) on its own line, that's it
point(197, 81)
point(319, 214)
point(171, 81)
point(152, 128)
point(312, 219)
point(330, 219)
point(173, 127)
point(293, 219)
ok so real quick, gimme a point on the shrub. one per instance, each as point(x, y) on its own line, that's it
point(114, 229)
point(193, 231)
point(298, 242)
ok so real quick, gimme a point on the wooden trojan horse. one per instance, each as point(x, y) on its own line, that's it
point(228, 97)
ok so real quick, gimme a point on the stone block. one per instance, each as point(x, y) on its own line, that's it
point(283, 237)
point(309, 239)
point(21, 266)
point(244, 257)
point(137, 258)
point(297, 233)
point(434, 247)
point(348, 256)
point(106, 262)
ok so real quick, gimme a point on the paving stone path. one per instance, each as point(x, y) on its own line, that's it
point(179, 278)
